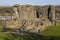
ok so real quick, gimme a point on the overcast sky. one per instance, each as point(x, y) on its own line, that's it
point(32, 2)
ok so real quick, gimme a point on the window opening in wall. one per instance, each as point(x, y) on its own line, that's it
point(41, 23)
point(27, 6)
point(49, 9)
point(37, 14)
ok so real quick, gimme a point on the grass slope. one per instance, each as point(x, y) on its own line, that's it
point(51, 33)
point(29, 36)
point(52, 30)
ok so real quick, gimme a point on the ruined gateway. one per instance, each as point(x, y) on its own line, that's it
point(32, 18)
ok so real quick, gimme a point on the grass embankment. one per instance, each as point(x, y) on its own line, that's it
point(52, 30)
point(51, 33)
point(29, 36)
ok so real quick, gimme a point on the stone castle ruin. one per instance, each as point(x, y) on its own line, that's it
point(32, 18)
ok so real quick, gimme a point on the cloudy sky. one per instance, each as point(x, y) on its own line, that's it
point(32, 2)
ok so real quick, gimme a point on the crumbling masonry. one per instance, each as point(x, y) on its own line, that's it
point(32, 18)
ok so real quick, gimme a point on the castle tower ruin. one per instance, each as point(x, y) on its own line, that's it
point(33, 18)
point(51, 14)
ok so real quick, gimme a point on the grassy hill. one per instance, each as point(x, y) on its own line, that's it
point(53, 30)
point(51, 33)
point(5, 10)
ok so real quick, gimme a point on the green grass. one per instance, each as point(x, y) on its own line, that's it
point(51, 33)
point(1, 24)
point(52, 30)
point(29, 36)
point(5, 13)
point(5, 9)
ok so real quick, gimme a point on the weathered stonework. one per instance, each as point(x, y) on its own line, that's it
point(32, 18)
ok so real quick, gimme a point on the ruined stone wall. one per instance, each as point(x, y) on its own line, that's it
point(26, 11)
point(53, 14)
point(32, 18)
